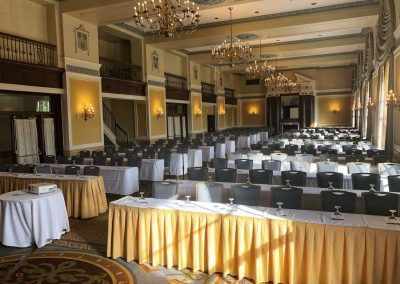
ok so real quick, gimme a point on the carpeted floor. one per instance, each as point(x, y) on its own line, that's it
point(79, 257)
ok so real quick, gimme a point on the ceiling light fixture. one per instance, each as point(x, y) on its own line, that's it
point(259, 69)
point(170, 18)
point(231, 52)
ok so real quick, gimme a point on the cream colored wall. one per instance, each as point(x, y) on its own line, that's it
point(141, 120)
point(150, 70)
point(252, 112)
point(24, 18)
point(118, 51)
point(81, 93)
point(192, 67)
point(175, 64)
point(221, 115)
point(69, 25)
point(197, 117)
point(156, 99)
point(123, 112)
point(328, 118)
point(207, 74)
point(334, 78)
point(137, 52)
point(207, 110)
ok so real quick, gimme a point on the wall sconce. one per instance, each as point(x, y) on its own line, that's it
point(370, 104)
point(392, 100)
point(334, 110)
point(87, 112)
point(159, 113)
point(198, 112)
point(358, 107)
point(222, 112)
point(253, 113)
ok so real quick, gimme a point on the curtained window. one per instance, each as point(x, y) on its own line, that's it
point(26, 138)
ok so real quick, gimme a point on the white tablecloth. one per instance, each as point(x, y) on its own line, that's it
point(220, 150)
point(230, 146)
point(195, 158)
point(243, 142)
point(117, 180)
point(152, 170)
point(178, 164)
point(254, 138)
point(208, 153)
point(264, 136)
point(27, 219)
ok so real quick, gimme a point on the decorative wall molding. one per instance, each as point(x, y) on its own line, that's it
point(177, 101)
point(30, 89)
point(82, 70)
point(123, 97)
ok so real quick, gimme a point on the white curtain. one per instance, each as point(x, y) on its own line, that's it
point(177, 124)
point(26, 138)
point(170, 122)
point(49, 139)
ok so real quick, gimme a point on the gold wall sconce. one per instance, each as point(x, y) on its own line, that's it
point(253, 112)
point(222, 112)
point(392, 100)
point(87, 112)
point(198, 112)
point(159, 113)
point(334, 110)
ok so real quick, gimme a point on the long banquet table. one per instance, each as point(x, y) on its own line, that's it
point(252, 242)
point(84, 195)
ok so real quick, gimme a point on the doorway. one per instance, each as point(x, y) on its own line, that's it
point(210, 123)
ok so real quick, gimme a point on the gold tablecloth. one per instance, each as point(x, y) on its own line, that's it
point(262, 249)
point(84, 198)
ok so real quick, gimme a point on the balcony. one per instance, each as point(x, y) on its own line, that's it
point(230, 97)
point(208, 93)
point(121, 78)
point(176, 87)
point(28, 62)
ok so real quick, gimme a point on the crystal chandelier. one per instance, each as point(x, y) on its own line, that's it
point(261, 69)
point(392, 100)
point(231, 52)
point(278, 80)
point(170, 18)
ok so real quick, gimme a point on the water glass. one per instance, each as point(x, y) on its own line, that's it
point(331, 185)
point(337, 212)
point(392, 214)
point(279, 210)
point(372, 187)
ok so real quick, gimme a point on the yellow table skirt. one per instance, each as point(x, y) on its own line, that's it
point(84, 198)
point(281, 251)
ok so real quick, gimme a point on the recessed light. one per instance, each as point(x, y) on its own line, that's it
point(216, 18)
point(319, 35)
point(256, 12)
point(313, 3)
point(278, 40)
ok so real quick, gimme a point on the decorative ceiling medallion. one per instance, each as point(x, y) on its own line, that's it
point(208, 2)
point(247, 36)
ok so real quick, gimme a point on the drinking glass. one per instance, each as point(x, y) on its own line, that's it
point(337, 212)
point(187, 198)
point(231, 202)
point(331, 185)
point(142, 199)
point(279, 210)
point(288, 183)
point(372, 187)
point(392, 214)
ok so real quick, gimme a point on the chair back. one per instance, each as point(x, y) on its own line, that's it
point(302, 166)
point(84, 153)
point(134, 162)
point(271, 165)
point(324, 178)
point(331, 198)
point(379, 203)
point(166, 156)
point(219, 163)
point(305, 157)
point(328, 158)
point(165, 190)
point(354, 158)
point(261, 176)
point(3, 168)
point(376, 160)
point(91, 171)
point(209, 192)
point(363, 181)
point(297, 178)
point(244, 164)
point(49, 159)
point(78, 160)
point(225, 175)
point(99, 160)
point(394, 183)
point(246, 194)
point(62, 159)
point(117, 160)
point(267, 151)
point(279, 157)
point(289, 196)
point(197, 173)
point(357, 167)
point(327, 167)
point(72, 170)
point(97, 153)
point(43, 169)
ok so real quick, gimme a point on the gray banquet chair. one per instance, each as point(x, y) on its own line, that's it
point(197, 173)
point(225, 175)
point(290, 197)
point(91, 171)
point(331, 198)
point(43, 169)
point(261, 176)
point(297, 178)
point(209, 192)
point(72, 170)
point(165, 190)
point(246, 194)
point(271, 165)
point(244, 164)
point(219, 163)
point(379, 203)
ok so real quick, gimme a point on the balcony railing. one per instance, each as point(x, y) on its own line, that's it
point(19, 49)
point(207, 89)
point(229, 93)
point(177, 82)
point(120, 70)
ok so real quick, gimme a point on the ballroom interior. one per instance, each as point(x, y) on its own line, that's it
point(214, 141)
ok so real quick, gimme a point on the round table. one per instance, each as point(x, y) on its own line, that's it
point(178, 164)
point(27, 218)
point(230, 146)
point(220, 150)
point(195, 158)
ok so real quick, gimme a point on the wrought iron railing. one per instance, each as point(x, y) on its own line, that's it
point(177, 82)
point(120, 134)
point(120, 70)
point(207, 89)
point(19, 49)
point(229, 93)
